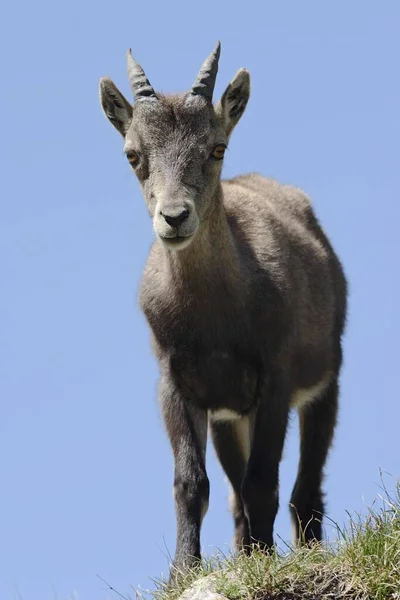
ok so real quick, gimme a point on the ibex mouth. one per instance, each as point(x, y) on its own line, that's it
point(177, 242)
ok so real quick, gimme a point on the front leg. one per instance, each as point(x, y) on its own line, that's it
point(261, 480)
point(187, 430)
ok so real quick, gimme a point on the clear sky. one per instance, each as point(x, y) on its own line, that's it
point(86, 470)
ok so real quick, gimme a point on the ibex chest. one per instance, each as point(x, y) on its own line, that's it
point(221, 381)
point(207, 340)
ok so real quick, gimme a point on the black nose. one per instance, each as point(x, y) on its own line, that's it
point(176, 219)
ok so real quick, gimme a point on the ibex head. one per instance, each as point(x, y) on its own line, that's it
point(176, 144)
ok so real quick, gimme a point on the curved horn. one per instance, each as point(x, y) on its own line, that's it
point(141, 87)
point(205, 81)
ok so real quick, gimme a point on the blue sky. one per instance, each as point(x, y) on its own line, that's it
point(85, 465)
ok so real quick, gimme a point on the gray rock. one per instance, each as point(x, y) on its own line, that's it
point(203, 589)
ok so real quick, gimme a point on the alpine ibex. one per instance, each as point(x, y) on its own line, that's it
point(246, 302)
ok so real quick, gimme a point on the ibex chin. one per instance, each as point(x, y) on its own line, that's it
point(246, 302)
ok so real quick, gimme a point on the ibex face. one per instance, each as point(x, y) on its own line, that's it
point(176, 145)
point(177, 149)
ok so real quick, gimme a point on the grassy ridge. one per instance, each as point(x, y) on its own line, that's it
point(364, 563)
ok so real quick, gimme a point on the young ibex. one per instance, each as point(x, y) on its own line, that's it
point(246, 301)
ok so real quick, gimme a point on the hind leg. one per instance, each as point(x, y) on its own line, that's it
point(232, 444)
point(317, 423)
point(242, 531)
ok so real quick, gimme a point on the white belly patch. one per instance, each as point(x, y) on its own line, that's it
point(300, 398)
point(303, 396)
point(224, 414)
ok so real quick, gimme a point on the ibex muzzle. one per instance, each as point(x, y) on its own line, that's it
point(175, 220)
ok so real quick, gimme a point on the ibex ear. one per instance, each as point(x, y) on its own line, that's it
point(115, 106)
point(234, 100)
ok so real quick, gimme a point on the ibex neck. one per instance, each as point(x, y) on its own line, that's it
point(212, 253)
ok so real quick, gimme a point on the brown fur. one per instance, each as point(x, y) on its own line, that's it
point(246, 302)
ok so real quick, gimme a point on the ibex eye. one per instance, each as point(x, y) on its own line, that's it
point(218, 152)
point(133, 158)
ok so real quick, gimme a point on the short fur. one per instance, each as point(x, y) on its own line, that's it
point(246, 302)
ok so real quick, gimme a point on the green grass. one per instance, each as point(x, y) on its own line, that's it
point(364, 563)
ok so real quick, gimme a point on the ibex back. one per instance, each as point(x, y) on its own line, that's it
point(246, 302)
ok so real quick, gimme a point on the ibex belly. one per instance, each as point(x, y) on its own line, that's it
point(303, 396)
